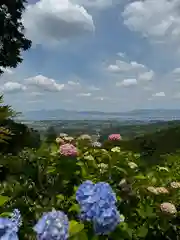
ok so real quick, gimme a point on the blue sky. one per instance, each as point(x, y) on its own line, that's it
point(108, 55)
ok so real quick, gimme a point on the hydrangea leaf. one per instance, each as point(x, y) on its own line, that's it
point(5, 214)
point(3, 200)
point(142, 231)
point(75, 228)
point(74, 208)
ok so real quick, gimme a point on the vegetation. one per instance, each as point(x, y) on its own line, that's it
point(12, 39)
point(39, 180)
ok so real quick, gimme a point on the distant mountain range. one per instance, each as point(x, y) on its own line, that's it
point(137, 115)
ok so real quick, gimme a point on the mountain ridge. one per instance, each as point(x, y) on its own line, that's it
point(137, 114)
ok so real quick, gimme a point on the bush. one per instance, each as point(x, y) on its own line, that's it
point(40, 180)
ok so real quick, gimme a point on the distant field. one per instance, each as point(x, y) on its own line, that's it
point(128, 129)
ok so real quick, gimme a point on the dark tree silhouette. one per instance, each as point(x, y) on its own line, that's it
point(12, 39)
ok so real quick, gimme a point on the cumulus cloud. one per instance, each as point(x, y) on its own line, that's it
point(52, 21)
point(146, 76)
point(72, 83)
point(127, 82)
point(130, 72)
point(159, 20)
point(6, 70)
point(97, 4)
point(93, 88)
point(12, 87)
point(83, 94)
point(159, 94)
point(176, 71)
point(122, 66)
point(44, 83)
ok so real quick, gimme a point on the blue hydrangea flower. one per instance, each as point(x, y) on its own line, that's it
point(10, 226)
point(107, 220)
point(16, 217)
point(104, 192)
point(85, 191)
point(97, 202)
point(52, 225)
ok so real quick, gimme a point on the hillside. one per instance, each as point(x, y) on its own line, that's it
point(142, 115)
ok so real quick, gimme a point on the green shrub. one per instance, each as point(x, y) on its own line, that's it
point(39, 180)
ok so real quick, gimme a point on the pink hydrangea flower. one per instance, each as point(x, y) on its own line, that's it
point(68, 150)
point(114, 137)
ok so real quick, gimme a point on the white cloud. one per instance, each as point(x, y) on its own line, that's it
point(12, 87)
point(83, 94)
point(159, 94)
point(127, 82)
point(146, 76)
point(98, 4)
point(7, 70)
point(176, 71)
point(122, 66)
point(159, 20)
point(51, 21)
point(44, 83)
point(72, 83)
point(121, 54)
point(93, 88)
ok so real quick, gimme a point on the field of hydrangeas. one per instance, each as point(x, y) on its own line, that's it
point(76, 188)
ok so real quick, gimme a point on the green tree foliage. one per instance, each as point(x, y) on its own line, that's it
point(5, 113)
point(12, 39)
point(50, 135)
point(21, 137)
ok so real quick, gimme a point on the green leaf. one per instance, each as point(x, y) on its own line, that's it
point(60, 197)
point(3, 200)
point(142, 231)
point(140, 177)
point(74, 208)
point(51, 169)
point(120, 169)
point(75, 228)
point(80, 236)
point(5, 214)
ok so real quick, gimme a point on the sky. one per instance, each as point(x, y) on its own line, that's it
point(107, 55)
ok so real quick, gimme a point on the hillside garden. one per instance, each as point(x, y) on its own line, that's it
point(79, 188)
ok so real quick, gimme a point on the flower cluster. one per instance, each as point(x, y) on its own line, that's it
point(157, 190)
point(68, 149)
point(115, 137)
point(96, 144)
point(85, 137)
point(59, 140)
point(52, 225)
point(97, 202)
point(168, 208)
point(9, 226)
point(175, 185)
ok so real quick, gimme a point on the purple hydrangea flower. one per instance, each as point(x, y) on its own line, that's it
point(52, 225)
point(97, 202)
point(10, 226)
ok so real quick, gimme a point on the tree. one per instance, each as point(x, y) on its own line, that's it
point(5, 113)
point(12, 39)
point(50, 135)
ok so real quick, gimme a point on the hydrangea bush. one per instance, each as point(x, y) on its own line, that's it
point(81, 190)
